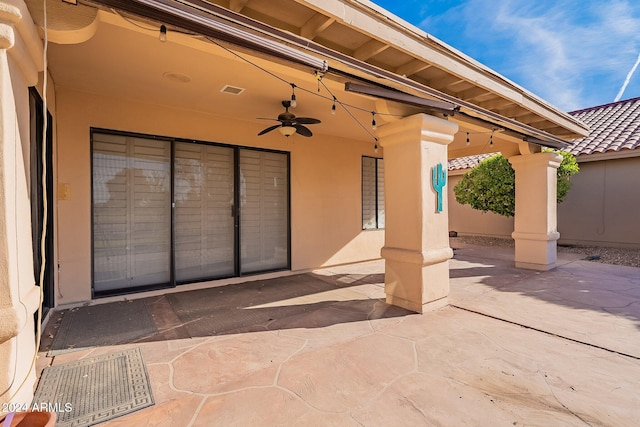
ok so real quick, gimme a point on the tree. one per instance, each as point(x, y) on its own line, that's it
point(490, 185)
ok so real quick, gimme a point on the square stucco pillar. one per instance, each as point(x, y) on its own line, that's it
point(416, 249)
point(535, 222)
point(20, 61)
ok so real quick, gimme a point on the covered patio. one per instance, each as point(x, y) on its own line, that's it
point(146, 150)
point(514, 347)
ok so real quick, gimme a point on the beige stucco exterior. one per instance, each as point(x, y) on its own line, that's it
point(535, 225)
point(598, 210)
point(111, 72)
point(601, 207)
point(326, 223)
point(20, 61)
point(416, 248)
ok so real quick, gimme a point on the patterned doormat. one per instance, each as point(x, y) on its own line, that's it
point(91, 391)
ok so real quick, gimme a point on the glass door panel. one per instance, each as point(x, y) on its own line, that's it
point(131, 212)
point(204, 221)
point(264, 211)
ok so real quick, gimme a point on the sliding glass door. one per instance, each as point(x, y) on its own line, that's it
point(204, 211)
point(131, 212)
point(169, 212)
point(264, 211)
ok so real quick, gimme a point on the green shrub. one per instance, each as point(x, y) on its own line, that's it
point(490, 185)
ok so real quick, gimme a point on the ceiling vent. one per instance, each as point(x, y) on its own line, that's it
point(232, 90)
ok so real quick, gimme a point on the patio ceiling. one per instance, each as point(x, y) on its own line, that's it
point(366, 32)
point(125, 58)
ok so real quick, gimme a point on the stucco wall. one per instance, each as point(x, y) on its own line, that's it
point(603, 204)
point(467, 221)
point(600, 209)
point(20, 62)
point(325, 182)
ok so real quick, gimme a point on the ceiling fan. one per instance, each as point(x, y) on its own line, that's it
point(289, 123)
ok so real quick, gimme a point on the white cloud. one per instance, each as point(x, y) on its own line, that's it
point(573, 53)
point(563, 46)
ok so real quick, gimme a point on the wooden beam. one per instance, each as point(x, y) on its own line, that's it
point(472, 93)
point(316, 25)
point(369, 49)
point(496, 103)
point(446, 81)
point(237, 5)
point(514, 111)
point(412, 67)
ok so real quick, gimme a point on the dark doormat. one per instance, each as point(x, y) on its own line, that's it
point(94, 390)
point(101, 325)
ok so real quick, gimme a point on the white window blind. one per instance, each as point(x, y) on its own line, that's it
point(131, 211)
point(204, 222)
point(372, 193)
point(139, 230)
point(264, 214)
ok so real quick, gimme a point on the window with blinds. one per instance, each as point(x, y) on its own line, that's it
point(372, 193)
point(131, 212)
point(207, 211)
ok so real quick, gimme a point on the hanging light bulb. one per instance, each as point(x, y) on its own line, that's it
point(375, 147)
point(374, 126)
point(333, 107)
point(163, 33)
point(491, 139)
point(319, 78)
point(467, 138)
point(293, 96)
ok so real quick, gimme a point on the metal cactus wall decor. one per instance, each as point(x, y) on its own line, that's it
point(438, 180)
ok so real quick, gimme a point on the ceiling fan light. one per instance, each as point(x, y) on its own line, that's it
point(287, 130)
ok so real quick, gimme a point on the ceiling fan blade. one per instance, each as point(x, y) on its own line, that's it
point(306, 120)
point(303, 130)
point(269, 129)
point(267, 118)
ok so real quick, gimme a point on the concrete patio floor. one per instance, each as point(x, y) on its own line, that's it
point(513, 348)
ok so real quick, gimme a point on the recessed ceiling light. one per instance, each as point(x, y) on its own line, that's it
point(177, 77)
point(232, 90)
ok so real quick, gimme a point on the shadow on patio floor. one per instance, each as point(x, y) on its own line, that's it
point(593, 303)
point(299, 301)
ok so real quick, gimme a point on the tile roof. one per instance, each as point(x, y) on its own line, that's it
point(614, 127)
point(468, 162)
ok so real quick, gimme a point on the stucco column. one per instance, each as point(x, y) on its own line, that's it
point(416, 249)
point(20, 60)
point(535, 223)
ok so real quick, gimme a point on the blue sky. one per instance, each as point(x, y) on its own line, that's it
point(572, 53)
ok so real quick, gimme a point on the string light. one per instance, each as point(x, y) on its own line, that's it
point(490, 133)
point(375, 146)
point(293, 95)
point(347, 108)
point(319, 77)
point(163, 33)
